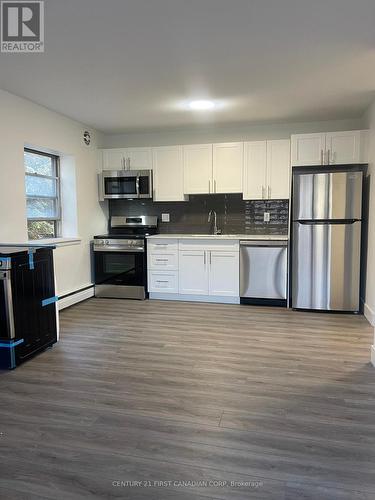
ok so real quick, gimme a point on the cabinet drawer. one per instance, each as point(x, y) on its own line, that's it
point(163, 281)
point(162, 245)
point(202, 244)
point(167, 260)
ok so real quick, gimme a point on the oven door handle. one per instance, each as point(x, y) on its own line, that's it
point(118, 249)
point(137, 185)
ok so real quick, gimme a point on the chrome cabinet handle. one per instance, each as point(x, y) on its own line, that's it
point(328, 154)
point(209, 186)
point(269, 192)
point(210, 258)
point(262, 192)
point(321, 157)
point(204, 257)
point(128, 163)
point(215, 186)
point(137, 185)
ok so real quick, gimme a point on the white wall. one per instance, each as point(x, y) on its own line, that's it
point(221, 133)
point(23, 122)
point(370, 279)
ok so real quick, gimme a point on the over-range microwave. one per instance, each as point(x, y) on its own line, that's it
point(125, 184)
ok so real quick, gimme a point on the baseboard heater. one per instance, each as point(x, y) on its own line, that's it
point(71, 298)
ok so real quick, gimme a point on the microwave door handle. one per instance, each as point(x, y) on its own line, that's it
point(137, 186)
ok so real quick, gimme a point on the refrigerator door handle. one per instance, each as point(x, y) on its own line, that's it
point(327, 222)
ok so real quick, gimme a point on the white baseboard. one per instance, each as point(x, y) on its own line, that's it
point(194, 298)
point(369, 314)
point(75, 298)
point(373, 354)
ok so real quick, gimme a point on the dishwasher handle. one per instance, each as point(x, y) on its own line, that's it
point(264, 243)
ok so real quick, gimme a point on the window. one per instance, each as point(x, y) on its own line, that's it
point(42, 194)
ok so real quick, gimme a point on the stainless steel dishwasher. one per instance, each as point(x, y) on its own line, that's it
point(263, 272)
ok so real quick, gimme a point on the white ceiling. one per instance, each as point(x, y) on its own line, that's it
point(121, 65)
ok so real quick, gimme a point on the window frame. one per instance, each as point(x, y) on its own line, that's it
point(56, 163)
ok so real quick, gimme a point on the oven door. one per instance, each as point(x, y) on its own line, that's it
point(120, 274)
point(129, 184)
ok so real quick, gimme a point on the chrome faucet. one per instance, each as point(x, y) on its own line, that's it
point(213, 214)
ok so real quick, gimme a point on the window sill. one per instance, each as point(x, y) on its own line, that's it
point(57, 242)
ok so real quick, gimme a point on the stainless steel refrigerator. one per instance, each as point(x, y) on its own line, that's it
point(326, 240)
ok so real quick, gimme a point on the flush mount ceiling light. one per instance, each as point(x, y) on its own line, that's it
point(201, 105)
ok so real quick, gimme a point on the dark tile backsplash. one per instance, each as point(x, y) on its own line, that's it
point(234, 215)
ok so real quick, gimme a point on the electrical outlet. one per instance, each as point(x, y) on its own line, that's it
point(165, 218)
point(267, 216)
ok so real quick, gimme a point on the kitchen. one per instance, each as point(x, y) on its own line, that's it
point(187, 302)
point(246, 261)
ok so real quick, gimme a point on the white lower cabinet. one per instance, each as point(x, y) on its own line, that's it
point(193, 272)
point(200, 269)
point(223, 273)
point(163, 281)
point(165, 261)
point(162, 265)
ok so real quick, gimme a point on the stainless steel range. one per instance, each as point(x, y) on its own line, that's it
point(120, 257)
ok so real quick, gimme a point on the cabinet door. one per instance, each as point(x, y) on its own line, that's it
point(34, 322)
point(193, 272)
point(168, 174)
point(224, 274)
point(198, 169)
point(308, 149)
point(139, 158)
point(114, 159)
point(278, 169)
point(343, 147)
point(228, 167)
point(254, 174)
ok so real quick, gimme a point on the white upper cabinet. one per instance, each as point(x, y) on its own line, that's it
point(113, 159)
point(198, 169)
point(331, 148)
point(168, 174)
point(346, 147)
point(255, 170)
point(127, 159)
point(278, 169)
point(139, 158)
point(308, 149)
point(267, 170)
point(227, 167)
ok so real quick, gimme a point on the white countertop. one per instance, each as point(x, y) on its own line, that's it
point(260, 237)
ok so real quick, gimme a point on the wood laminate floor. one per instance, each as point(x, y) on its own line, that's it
point(178, 401)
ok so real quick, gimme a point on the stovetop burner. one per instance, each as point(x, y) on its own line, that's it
point(134, 227)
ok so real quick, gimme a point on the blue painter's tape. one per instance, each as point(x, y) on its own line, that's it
point(11, 345)
point(31, 259)
point(51, 300)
